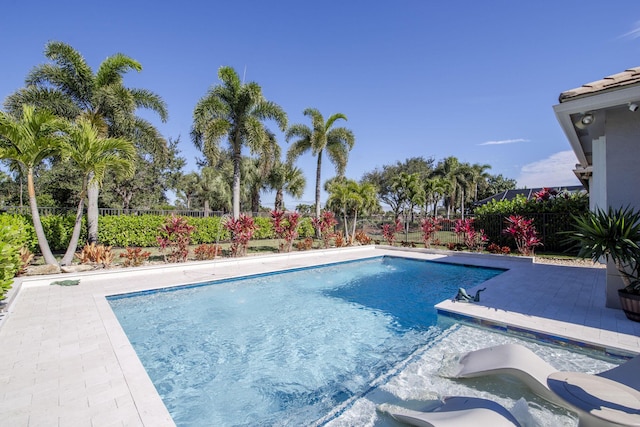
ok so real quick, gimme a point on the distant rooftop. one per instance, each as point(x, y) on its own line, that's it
point(526, 192)
point(613, 82)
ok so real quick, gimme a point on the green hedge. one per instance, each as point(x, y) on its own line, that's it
point(15, 233)
point(550, 217)
point(135, 230)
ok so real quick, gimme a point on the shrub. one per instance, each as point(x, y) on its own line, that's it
point(324, 226)
point(208, 230)
point(389, 231)
point(285, 226)
point(524, 233)
point(473, 240)
point(206, 252)
point(241, 230)
point(362, 238)
point(305, 245)
point(11, 241)
point(134, 257)
point(175, 234)
point(497, 249)
point(429, 228)
point(305, 227)
point(129, 230)
point(95, 254)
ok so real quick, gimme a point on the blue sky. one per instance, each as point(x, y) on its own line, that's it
point(475, 80)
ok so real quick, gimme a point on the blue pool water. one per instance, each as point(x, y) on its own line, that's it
point(286, 348)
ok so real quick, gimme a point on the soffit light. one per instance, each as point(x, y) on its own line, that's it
point(587, 119)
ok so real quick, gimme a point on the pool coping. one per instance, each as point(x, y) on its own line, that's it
point(140, 404)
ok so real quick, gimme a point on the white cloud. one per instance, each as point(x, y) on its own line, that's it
point(556, 170)
point(505, 141)
point(633, 34)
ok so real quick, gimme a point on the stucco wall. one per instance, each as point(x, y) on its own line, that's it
point(622, 175)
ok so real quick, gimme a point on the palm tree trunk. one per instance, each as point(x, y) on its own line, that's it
point(93, 191)
point(278, 203)
point(355, 221)
point(237, 159)
point(75, 235)
point(37, 224)
point(346, 227)
point(318, 184)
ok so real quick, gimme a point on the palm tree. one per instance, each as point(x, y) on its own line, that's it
point(69, 88)
point(320, 137)
point(213, 189)
point(457, 175)
point(410, 192)
point(366, 200)
point(286, 178)
point(479, 177)
point(236, 110)
point(94, 155)
point(29, 140)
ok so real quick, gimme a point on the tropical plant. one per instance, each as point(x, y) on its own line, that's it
point(321, 137)
point(524, 233)
point(323, 225)
point(11, 243)
point(95, 254)
point(68, 87)
point(613, 235)
point(175, 235)
point(241, 229)
point(134, 257)
point(286, 178)
point(458, 175)
point(236, 110)
point(389, 231)
point(473, 239)
point(207, 251)
point(28, 140)
point(285, 226)
point(94, 155)
point(429, 228)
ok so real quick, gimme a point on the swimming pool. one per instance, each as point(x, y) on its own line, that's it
point(285, 349)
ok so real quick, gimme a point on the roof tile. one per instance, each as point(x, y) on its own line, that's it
point(615, 81)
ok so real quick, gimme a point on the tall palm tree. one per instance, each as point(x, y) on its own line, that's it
point(435, 188)
point(457, 175)
point(286, 178)
point(28, 140)
point(479, 177)
point(322, 136)
point(410, 192)
point(94, 155)
point(68, 87)
point(236, 110)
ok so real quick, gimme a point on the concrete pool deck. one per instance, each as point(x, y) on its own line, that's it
point(65, 360)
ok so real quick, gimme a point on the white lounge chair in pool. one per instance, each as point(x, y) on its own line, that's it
point(455, 412)
point(610, 398)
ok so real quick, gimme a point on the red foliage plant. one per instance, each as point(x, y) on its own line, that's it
point(285, 226)
point(389, 231)
point(429, 228)
point(242, 230)
point(134, 257)
point(473, 240)
point(175, 234)
point(324, 226)
point(524, 233)
point(206, 252)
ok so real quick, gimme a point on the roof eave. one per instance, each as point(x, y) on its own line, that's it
point(590, 103)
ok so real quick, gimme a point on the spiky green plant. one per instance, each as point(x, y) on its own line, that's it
point(613, 235)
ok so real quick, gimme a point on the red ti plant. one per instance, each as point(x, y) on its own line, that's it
point(175, 234)
point(285, 226)
point(429, 227)
point(545, 194)
point(241, 230)
point(524, 233)
point(389, 231)
point(324, 226)
point(473, 240)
